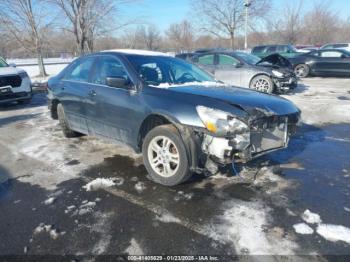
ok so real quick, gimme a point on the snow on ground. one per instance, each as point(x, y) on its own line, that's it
point(323, 100)
point(334, 233)
point(134, 248)
point(140, 187)
point(303, 229)
point(99, 183)
point(53, 232)
point(168, 218)
point(243, 222)
point(49, 201)
point(311, 218)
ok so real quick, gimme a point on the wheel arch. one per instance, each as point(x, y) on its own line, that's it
point(53, 108)
point(156, 119)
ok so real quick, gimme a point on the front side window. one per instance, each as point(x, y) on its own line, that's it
point(167, 71)
point(108, 67)
point(3, 63)
point(227, 60)
point(248, 58)
point(81, 70)
point(206, 60)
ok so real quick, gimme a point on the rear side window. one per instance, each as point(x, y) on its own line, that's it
point(108, 67)
point(258, 49)
point(331, 54)
point(206, 60)
point(271, 49)
point(227, 60)
point(81, 71)
point(340, 46)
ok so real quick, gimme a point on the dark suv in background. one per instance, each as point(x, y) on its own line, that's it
point(284, 50)
point(180, 118)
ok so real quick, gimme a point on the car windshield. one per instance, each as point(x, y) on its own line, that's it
point(163, 71)
point(248, 58)
point(292, 48)
point(3, 63)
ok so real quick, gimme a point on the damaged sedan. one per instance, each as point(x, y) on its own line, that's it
point(178, 116)
point(272, 74)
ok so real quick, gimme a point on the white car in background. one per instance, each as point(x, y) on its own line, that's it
point(15, 84)
point(344, 46)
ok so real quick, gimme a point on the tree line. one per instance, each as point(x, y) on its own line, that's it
point(50, 28)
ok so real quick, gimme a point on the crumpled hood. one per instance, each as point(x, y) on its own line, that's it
point(249, 100)
point(10, 71)
point(276, 60)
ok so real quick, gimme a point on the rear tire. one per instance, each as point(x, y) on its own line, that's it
point(302, 70)
point(165, 157)
point(262, 83)
point(67, 131)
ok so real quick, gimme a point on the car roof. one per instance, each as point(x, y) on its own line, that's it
point(135, 52)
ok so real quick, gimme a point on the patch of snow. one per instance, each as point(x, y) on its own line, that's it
point(140, 187)
point(49, 201)
point(168, 218)
point(311, 218)
point(99, 183)
point(137, 52)
point(54, 234)
point(334, 233)
point(195, 83)
point(347, 209)
point(134, 248)
point(243, 224)
point(303, 229)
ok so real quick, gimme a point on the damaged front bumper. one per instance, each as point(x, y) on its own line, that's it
point(265, 136)
point(286, 83)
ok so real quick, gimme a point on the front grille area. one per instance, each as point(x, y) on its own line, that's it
point(13, 96)
point(271, 135)
point(14, 81)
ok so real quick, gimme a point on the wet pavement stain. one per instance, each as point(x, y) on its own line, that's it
point(343, 98)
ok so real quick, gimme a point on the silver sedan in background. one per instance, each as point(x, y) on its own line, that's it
point(272, 74)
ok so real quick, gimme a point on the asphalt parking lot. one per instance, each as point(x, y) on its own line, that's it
point(291, 202)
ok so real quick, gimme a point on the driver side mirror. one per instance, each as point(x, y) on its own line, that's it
point(239, 65)
point(118, 82)
point(12, 65)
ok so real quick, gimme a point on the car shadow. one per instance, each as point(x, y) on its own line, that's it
point(301, 88)
point(11, 119)
point(38, 99)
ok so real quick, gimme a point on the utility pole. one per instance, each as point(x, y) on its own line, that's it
point(247, 4)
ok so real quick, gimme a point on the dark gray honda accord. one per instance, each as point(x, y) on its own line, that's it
point(180, 118)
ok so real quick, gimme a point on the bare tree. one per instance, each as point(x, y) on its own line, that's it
point(288, 24)
point(224, 18)
point(181, 36)
point(26, 21)
point(150, 36)
point(90, 19)
point(321, 24)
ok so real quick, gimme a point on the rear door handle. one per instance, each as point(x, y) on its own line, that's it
point(92, 93)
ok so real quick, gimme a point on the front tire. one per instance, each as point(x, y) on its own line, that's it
point(262, 83)
point(165, 156)
point(302, 70)
point(67, 131)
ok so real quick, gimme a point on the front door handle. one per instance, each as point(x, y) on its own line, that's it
point(92, 93)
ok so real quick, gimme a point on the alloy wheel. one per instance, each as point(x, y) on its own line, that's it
point(163, 156)
point(262, 85)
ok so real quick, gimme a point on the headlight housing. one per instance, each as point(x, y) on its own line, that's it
point(277, 73)
point(221, 123)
